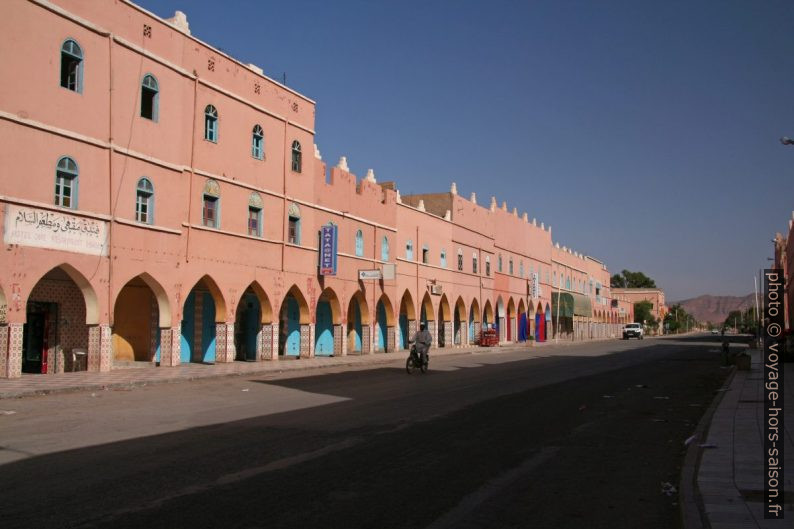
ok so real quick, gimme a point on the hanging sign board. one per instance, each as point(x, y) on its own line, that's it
point(328, 240)
point(370, 274)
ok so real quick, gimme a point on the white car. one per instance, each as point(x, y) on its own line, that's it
point(632, 330)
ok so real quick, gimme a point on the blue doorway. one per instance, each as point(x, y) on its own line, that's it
point(324, 330)
point(380, 331)
point(198, 348)
point(247, 326)
point(290, 322)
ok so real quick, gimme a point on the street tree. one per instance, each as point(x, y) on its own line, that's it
point(629, 279)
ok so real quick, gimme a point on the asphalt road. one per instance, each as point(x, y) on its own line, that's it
point(576, 436)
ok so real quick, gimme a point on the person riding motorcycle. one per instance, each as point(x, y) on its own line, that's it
point(422, 341)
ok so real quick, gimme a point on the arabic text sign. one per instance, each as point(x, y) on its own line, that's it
point(56, 230)
point(328, 250)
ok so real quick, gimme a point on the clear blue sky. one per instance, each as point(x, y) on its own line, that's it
point(658, 119)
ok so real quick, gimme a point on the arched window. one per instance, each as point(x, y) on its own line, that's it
point(460, 260)
point(510, 266)
point(294, 228)
point(521, 269)
point(144, 201)
point(150, 98)
point(474, 263)
point(568, 283)
point(72, 66)
point(425, 254)
point(255, 206)
point(499, 263)
point(211, 124)
point(66, 173)
point(409, 250)
point(359, 243)
point(488, 265)
point(258, 143)
point(297, 157)
point(384, 249)
point(443, 258)
point(211, 209)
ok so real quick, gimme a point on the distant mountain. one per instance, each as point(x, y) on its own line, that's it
point(716, 308)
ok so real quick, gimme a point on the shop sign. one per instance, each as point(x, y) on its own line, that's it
point(55, 230)
point(328, 241)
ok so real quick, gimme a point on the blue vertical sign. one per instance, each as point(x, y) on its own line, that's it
point(328, 250)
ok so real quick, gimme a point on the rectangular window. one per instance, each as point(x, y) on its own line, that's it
point(425, 255)
point(63, 191)
point(254, 222)
point(488, 268)
point(210, 212)
point(142, 208)
point(474, 265)
point(294, 232)
point(460, 263)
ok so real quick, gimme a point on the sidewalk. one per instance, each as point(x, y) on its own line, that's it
point(730, 474)
point(29, 385)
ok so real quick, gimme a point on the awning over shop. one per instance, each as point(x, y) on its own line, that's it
point(571, 304)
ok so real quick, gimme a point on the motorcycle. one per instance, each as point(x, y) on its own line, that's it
point(415, 361)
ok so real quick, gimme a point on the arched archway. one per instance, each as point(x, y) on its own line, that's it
point(459, 323)
point(444, 325)
point(253, 325)
point(357, 321)
point(406, 320)
point(141, 311)
point(523, 324)
point(474, 321)
point(487, 315)
point(293, 319)
point(203, 310)
point(60, 308)
point(427, 317)
point(327, 324)
point(384, 325)
point(510, 318)
point(540, 324)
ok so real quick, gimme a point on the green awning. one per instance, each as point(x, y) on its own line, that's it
point(571, 304)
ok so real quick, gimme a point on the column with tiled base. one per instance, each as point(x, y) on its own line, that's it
point(411, 331)
point(340, 340)
point(276, 335)
point(3, 351)
point(448, 334)
point(477, 328)
point(366, 340)
point(431, 328)
point(264, 343)
point(99, 348)
point(170, 346)
point(224, 343)
point(14, 358)
point(307, 340)
point(391, 339)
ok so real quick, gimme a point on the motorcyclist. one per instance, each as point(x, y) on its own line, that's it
point(422, 341)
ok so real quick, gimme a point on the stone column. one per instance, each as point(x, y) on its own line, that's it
point(307, 340)
point(339, 340)
point(170, 346)
point(391, 339)
point(14, 350)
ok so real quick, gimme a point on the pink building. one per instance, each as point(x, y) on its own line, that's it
point(164, 203)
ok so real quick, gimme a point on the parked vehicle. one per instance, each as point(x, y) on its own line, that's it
point(633, 330)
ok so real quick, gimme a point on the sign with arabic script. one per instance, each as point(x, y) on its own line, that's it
point(56, 230)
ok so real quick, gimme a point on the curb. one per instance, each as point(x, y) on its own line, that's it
point(693, 514)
